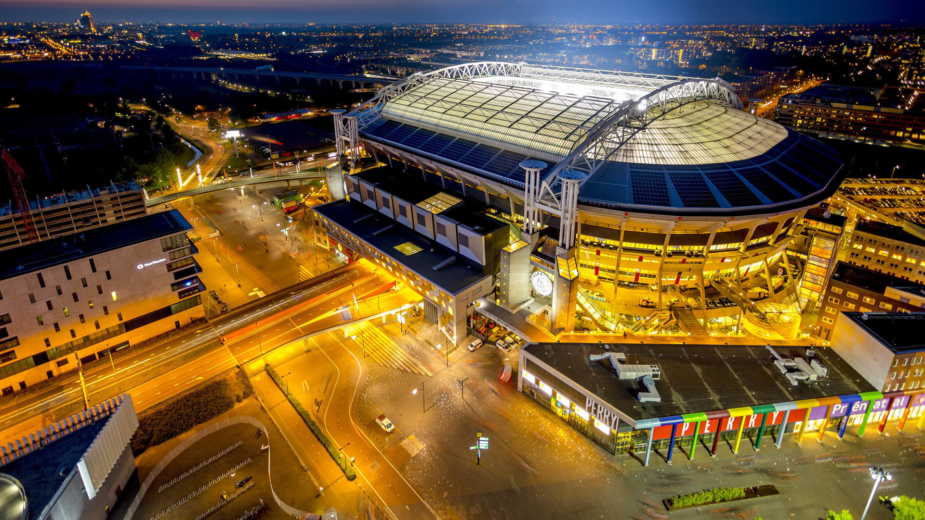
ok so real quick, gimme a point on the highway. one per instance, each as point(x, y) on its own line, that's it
point(285, 314)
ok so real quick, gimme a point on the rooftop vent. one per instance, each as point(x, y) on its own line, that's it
point(646, 374)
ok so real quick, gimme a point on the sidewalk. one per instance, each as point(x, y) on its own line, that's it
point(324, 472)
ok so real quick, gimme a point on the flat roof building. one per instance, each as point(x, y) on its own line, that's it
point(94, 292)
point(888, 349)
point(844, 112)
point(433, 242)
point(638, 398)
point(75, 468)
point(888, 249)
point(852, 288)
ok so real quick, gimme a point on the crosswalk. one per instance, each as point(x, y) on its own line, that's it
point(382, 350)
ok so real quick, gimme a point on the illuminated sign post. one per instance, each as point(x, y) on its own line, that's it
point(234, 135)
point(481, 444)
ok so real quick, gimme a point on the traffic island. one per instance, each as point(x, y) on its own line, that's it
point(314, 427)
point(718, 496)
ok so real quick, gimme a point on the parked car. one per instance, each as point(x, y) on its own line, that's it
point(475, 345)
point(385, 423)
point(502, 344)
point(653, 287)
point(645, 302)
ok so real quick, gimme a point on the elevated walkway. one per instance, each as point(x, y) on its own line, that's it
point(163, 199)
point(515, 322)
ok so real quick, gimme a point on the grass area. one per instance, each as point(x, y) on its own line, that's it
point(234, 164)
point(313, 426)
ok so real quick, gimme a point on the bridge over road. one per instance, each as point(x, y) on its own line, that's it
point(247, 181)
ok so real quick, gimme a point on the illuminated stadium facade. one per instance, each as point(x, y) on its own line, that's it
point(609, 183)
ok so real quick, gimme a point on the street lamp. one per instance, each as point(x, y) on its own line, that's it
point(879, 475)
point(894, 170)
point(287, 382)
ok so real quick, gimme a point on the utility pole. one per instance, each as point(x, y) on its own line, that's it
point(462, 387)
point(83, 384)
point(113, 363)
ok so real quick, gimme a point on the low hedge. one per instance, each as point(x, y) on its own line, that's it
point(710, 496)
point(195, 406)
point(313, 426)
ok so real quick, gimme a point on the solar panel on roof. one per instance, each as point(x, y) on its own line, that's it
point(455, 151)
point(504, 163)
point(801, 165)
point(436, 144)
point(791, 179)
point(649, 188)
point(418, 138)
point(518, 175)
point(480, 155)
point(385, 128)
point(733, 189)
point(693, 190)
point(400, 133)
point(766, 184)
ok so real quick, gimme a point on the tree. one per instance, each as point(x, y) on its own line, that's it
point(844, 515)
point(214, 125)
point(905, 508)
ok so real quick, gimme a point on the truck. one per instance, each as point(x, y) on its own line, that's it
point(385, 423)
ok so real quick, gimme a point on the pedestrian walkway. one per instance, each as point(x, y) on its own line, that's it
point(514, 321)
point(382, 350)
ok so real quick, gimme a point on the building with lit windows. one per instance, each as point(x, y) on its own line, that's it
point(87, 294)
point(850, 113)
point(816, 248)
point(856, 289)
point(888, 249)
point(632, 201)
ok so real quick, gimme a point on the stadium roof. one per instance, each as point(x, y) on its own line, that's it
point(647, 143)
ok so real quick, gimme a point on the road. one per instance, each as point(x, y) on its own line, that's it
point(283, 313)
point(338, 362)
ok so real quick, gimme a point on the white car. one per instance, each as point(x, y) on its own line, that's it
point(475, 345)
point(385, 423)
point(503, 345)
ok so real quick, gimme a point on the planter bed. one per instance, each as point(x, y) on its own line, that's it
point(750, 493)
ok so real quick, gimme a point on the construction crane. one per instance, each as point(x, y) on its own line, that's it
point(16, 175)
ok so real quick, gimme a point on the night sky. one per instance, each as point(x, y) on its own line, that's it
point(473, 11)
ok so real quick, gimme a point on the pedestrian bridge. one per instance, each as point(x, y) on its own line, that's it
point(239, 183)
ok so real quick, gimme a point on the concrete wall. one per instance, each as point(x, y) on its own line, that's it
point(448, 238)
point(865, 354)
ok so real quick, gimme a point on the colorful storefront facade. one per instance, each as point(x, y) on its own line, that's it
point(615, 429)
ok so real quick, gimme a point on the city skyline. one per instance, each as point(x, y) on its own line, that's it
point(667, 12)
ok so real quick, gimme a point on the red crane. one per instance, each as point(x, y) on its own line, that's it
point(16, 175)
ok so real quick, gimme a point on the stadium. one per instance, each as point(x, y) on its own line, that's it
point(584, 200)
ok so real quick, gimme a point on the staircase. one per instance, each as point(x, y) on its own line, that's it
point(688, 321)
point(383, 351)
